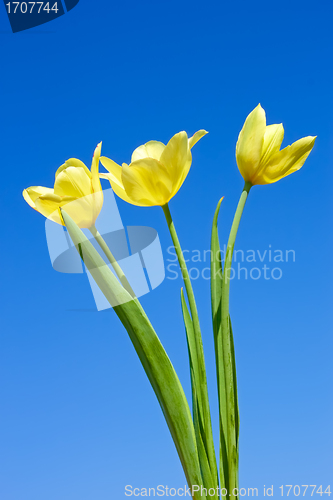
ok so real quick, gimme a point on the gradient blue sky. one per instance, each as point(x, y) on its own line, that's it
point(79, 420)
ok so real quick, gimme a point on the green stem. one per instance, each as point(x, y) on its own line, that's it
point(119, 272)
point(199, 347)
point(228, 351)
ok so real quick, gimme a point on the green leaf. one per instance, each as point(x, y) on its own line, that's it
point(153, 357)
point(198, 414)
point(216, 296)
point(233, 360)
point(207, 434)
point(192, 349)
point(216, 272)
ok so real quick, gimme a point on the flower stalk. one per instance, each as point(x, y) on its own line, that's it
point(117, 269)
point(201, 409)
point(229, 365)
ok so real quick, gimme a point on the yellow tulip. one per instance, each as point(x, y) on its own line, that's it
point(156, 171)
point(75, 186)
point(258, 154)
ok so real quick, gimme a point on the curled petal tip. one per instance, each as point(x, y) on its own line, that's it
point(196, 137)
point(99, 146)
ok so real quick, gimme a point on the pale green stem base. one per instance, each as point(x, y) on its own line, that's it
point(119, 272)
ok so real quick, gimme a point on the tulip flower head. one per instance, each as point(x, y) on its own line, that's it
point(258, 154)
point(156, 171)
point(76, 188)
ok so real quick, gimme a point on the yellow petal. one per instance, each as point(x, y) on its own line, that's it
point(177, 185)
point(196, 137)
point(81, 210)
point(84, 211)
point(96, 183)
point(48, 205)
point(32, 193)
point(73, 162)
point(114, 177)
point(96, 199)
point(147, 182)
point(286, 161)
point(152, 149)
point(273, 138)
point(177, 159)
point(119, 190)
point(73, 182)
point(250, 143)
point(114, 169)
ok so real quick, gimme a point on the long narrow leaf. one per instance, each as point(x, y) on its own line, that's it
point(207, 433)
point(216, 295)
point(206, 472)
point(233, 359)
point(153, 357)
point(203, 457)
point(192, 348)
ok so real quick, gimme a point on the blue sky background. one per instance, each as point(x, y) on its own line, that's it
point(79, 420)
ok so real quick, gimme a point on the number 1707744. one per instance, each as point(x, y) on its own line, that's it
point(304, 489)
point(31, 7)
